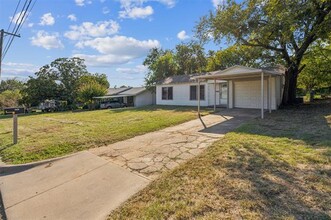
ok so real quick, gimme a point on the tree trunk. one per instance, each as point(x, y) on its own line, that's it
point(291, 77)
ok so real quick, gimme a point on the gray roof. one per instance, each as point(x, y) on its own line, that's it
point(115, 91)
point(133, 91)
point(128, 91)
point(182, 78)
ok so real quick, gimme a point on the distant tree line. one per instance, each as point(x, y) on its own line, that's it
point(65, 79)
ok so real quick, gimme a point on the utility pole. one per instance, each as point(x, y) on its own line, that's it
point(2, 34)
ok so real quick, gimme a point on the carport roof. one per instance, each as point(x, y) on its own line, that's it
point(242, 72)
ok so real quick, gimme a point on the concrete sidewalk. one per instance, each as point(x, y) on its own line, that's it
point(80, 186)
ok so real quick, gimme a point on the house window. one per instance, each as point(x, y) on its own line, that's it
point(194, 92)
point(167, 93)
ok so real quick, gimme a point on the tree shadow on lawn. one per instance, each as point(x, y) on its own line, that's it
point(308, 123)
point(271, 188)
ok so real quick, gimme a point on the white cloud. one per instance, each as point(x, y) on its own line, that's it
point(136, 12)
point(135, 8)
point(105, 10)
point(47, 19)
point(82, 2)
point(18, 17)
point(182, 35)
point(46, 40)
point(116, 50)
point(139, 69)
point(88, 29)
point(216, 3)
point(72, 17)
point(30, 24)
point(11, 69)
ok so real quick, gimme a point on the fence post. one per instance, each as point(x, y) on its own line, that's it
point(15, 132)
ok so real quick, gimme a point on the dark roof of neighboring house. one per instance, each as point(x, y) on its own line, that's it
point(128, 91)
point(133, 91)
point(116, 91)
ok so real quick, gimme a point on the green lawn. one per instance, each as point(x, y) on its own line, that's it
point(50, 135)
point(276, 168)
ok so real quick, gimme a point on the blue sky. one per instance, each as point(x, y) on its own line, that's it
point(113, 36)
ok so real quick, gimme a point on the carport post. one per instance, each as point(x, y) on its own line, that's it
point(262, 95)
point(198, 97)
point(215, 95)
point(269, 92)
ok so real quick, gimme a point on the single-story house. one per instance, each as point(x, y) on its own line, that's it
point(131, 96)
point(234, 87)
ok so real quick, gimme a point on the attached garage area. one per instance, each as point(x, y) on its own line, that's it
point(247, 94)
point(250, 88)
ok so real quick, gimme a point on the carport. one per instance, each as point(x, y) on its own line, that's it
point(249, 87)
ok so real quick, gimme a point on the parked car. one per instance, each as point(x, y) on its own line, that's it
point(113, 104)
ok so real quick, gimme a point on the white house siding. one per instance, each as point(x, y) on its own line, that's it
point(247, 94)
point(181, 95)
point(230, 94)
point(144, 98)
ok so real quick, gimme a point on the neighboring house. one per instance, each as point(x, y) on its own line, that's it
point(131, 96)
point(235, 87)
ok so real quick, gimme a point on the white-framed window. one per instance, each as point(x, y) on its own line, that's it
point(194, 92)
point(167, 93)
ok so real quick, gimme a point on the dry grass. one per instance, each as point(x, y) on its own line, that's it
point(55, 134)
point(277, 168)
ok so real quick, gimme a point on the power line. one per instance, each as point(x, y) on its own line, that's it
point(11, 20)
point(19, 23)
point(17, 27)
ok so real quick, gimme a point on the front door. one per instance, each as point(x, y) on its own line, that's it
point(223, 93)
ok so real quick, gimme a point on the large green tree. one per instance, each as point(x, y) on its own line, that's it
point(185, 59)
point(238, 55)
point(11, 84)
point(91, 86)
point(317, 71)
point(286, 28)
point(161, 64)
point(66, 72)
point(10, 98)
point(57, 80)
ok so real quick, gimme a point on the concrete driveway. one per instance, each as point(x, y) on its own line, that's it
point(80, 186)
point(90, 184)
point(150, 154)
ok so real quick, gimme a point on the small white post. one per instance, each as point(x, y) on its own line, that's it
point(262, 95)
point(198, 97)
point(15, 130)
point(269, 92)
point(214, 95)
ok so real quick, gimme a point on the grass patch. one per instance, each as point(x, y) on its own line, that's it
point(276, 168)
point(43, 136)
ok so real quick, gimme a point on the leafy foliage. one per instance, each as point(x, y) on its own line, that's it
point(317, 71)
point(63, 79)
point(284, 28)
point(186, 59)
point(10, 98)
point(91, 86)
point(11, 84)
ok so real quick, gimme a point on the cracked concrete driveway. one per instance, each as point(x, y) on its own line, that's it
point(152, 153)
